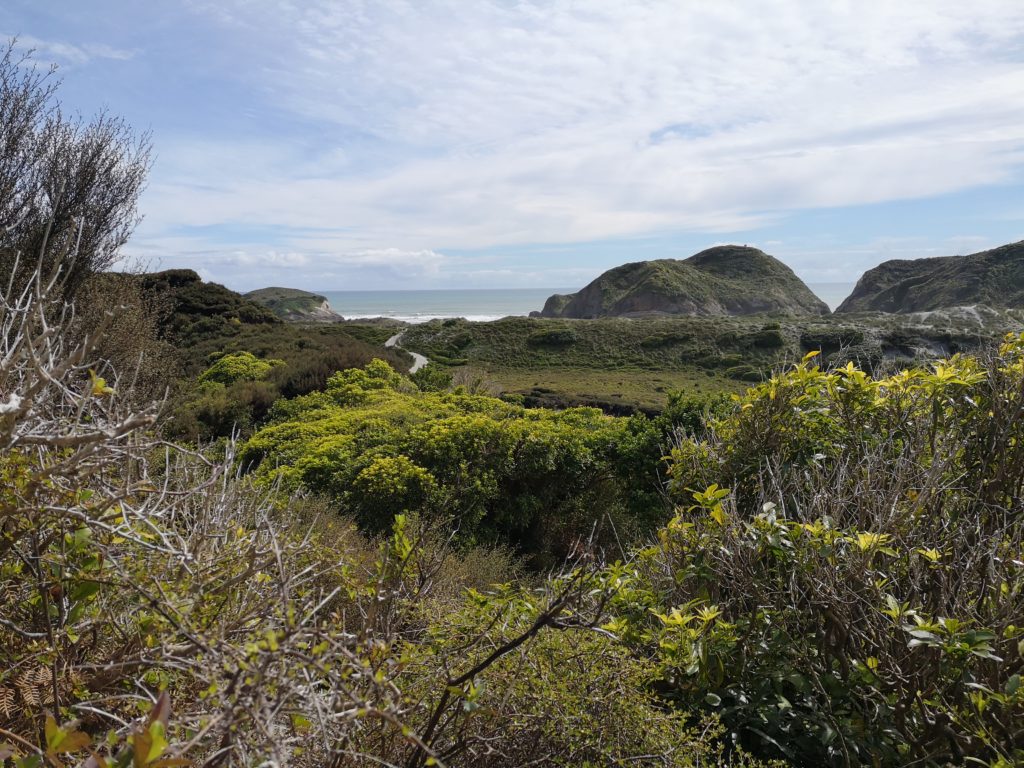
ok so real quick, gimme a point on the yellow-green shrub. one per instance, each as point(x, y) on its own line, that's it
point(535, 478)
point(238, 366)
point(856, 599)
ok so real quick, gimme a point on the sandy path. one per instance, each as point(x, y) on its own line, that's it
point(418, 360)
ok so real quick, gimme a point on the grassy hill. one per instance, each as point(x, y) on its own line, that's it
point(726, 280)
point(994, 278)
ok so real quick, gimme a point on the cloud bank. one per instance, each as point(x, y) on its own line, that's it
point(456, 130)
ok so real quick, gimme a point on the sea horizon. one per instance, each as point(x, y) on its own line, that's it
point(480, 304)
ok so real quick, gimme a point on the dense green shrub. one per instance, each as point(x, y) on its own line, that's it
point(240, 366)
point(666, 339)
point(689, 415)
point(461, 340)
point(432, 378)
point(552, 337)
point(744, 372)
point(856, 597)
point(766, 338)
point(451, 362)
point(537, 479)
point(728, 339)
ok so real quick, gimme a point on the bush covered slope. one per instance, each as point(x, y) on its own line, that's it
point(726, 280)
point(534, 479)
point(204, 323)
point(204, 320)
point(993, 278)
point(842, 582)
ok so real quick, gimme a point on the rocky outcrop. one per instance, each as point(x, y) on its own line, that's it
point(991, 278)
point(725, 280)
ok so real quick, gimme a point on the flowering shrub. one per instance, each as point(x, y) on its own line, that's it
point(856, 598)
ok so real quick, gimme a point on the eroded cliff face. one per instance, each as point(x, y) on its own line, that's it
point(726, 280)
point(324, 313)
point(296, 306)
point(992, 278)
point(313, 312)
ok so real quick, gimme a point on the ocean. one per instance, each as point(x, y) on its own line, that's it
point(483, 304)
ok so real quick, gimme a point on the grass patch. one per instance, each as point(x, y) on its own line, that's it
point(615, 391)
point(632, 363)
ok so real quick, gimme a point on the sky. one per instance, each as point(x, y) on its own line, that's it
point(350, 144)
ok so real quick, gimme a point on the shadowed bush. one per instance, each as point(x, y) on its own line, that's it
point(856, 597)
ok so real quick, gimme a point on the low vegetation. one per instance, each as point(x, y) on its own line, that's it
point(198, 333)
point(365, 568)
point(532, 479)
point(624, 365)
point(840, 583)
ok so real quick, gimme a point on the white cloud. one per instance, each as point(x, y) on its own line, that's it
point(65, 53)
point(497, 123)
point(320, 265)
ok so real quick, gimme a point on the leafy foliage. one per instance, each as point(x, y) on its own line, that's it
point(134, 576)
point(533, 478)
point(852, 597)
point(240, 366)
point(123, 589)
point(432, 378)
point(68, 187)
point(856, 598)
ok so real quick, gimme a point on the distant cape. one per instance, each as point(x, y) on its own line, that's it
point(294, 305)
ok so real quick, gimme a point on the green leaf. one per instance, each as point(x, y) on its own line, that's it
point(158, 742)
point(84, 590)
point(53, 733)
point(62, 740)
point(1012, 685)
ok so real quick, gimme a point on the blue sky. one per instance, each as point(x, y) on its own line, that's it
point(514, 143)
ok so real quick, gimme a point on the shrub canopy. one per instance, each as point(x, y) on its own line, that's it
point(534, 478)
